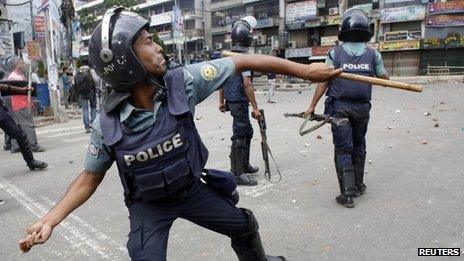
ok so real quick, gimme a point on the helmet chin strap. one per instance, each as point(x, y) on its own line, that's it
point(160, 93)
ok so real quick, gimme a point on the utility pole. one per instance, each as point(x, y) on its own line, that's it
point(342, 6)
point(51, 66)
point(178, 45)
point(32, 20)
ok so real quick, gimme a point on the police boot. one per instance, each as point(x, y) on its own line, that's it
point(358, 167)
point(237, 159)
point(339, 171)
point(26, 151)
point(248, 246)
point(346, 198)
point(248, 167)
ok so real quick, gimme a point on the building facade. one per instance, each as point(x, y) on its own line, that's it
point(191, 39)
point(410, 34)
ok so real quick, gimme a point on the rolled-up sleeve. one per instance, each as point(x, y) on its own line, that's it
point(202, 79)
point(98, 158)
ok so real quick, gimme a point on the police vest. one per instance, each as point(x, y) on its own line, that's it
point(234, 91)
point(362, 65)
point(158, 161)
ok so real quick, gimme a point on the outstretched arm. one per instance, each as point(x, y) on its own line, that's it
point(79, 191)
point(320, 90)
point(12, 90)
point(250, 93)
point(315, 72)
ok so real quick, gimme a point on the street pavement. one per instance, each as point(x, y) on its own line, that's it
point(414, 198)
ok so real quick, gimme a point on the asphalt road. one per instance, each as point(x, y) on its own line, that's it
point(415, 180)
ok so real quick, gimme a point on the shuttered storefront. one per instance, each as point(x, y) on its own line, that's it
point(402, 63)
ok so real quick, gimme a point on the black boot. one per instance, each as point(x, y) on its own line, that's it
point(358, 167)
point(37, 165)
point(7, 145)
point(346, 198)
point(26, 151)
point(248, 167)
point(237, 159)
point(248, 246)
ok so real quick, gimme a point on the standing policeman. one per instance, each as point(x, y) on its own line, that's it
point(351, 100)
point(238, 92)
point(147, 128)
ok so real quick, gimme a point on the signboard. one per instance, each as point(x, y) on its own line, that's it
point(178, 37)
point(401, 35)
point(399, 45)
point(39, 28)
point(445, 20)
point(33, 50)
point(297, 52)
point(177, 19)
point(315, 23)
point(395, 1)
point(163, 18)
point(401, 14)
point(304, 10)
point(365, 7)
point(329, 40)
point(320, 50)
point(451, 41)
point(330, 20)
point(446, 7)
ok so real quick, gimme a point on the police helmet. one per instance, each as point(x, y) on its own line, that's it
point(241, 33)
point(355, 26)
point(110, 49)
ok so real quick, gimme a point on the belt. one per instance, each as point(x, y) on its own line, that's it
point(344, 99)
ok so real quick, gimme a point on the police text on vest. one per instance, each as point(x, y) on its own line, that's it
point(158, 150)
point(350, 66)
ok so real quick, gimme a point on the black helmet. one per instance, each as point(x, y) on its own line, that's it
point(241, 33)
point(110, 49)
point(355, 26)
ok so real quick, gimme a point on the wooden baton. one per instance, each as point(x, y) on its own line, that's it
point(365, 79)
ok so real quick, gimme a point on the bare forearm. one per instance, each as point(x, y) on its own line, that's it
point(78, 192)
point(12, 89)
point(250, 93)
point(221, 96)
point(317, 72)
point(265, 63)
point(320, 90)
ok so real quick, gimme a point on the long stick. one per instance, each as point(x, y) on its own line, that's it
point(365, 79)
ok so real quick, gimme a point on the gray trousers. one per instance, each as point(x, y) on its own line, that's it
point(26, 123)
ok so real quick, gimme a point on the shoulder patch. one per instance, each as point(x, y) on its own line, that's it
point(208, 72)
point(93, 150)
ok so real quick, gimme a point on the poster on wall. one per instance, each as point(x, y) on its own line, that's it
point(446, 7)
point(297, 11)
point(401, 14)
point(453, 40)
point(33, 50)
point(445, 20)
point(39, 28)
